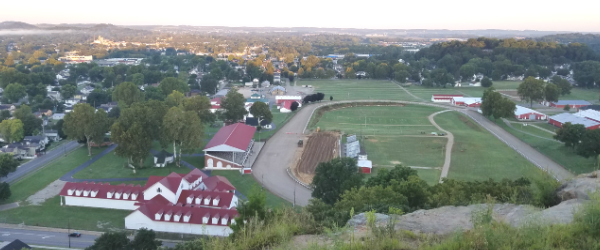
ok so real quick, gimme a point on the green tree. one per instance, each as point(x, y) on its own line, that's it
point(586, 73)
point(590, 144)
point(385, 177)
point(9, 62)
point(110, 241)
point(233, 104)
point(12, 130)
point(127, 93)
point(169, 84)
point(494, 104)
point(201, 105)
point(486, 82)
point(261, 111)
point(209, 84)
point(84, 123)
point(67, 91)
point(335, 177)
point(467, 71)
point(8, 164)
point(564, 85)
point(551, 92)
point(30, 122)
point(255, 206)
point(531, 90)
point(137, 79)
point(4, 191)
point(153, 93)
point(376, 198)
point(567, 108)
point(4, 114)
point(175, 99)
point(145, 240)
point(14, 92)
point(570, 134)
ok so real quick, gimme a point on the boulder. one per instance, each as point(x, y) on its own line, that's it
point(580, 187)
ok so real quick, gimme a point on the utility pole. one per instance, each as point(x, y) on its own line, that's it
point(69, 231)
point(294, 204)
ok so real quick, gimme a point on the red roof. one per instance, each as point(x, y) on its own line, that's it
point(194, 175)
point(215, 107)
point(237, 135)
point(216, 100)
point(225, 198)
point(102, 190)
point(444, 95)
point(218, 183)
point(287, 104)
point(196, 213)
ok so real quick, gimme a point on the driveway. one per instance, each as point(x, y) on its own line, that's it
point(40, 161)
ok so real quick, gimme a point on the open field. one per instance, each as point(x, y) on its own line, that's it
point(478, 155)
point(554, 150)
point(318, 147)
point(590, 95)
point(358, 89)
point(392, 135)
point(244, 184)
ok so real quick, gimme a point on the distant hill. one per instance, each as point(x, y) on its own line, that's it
point(10, 25)
point(591, 40)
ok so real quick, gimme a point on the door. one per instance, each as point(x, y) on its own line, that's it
point(209, 163)
point(532, 117)
point(219, 164)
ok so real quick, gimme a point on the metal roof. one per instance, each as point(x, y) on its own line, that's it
point(567, 117)
point(572, 102)
point(589, 114)
point(523, 110)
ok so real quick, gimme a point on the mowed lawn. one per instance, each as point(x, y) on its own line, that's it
point(478, 155)
point(590, 95)
point(392, 135)
point(552, 149)
point(358, 89)
point(245, 183)
point(465, 90)
point(43, 177)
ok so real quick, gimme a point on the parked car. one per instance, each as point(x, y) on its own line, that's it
point(75, 234)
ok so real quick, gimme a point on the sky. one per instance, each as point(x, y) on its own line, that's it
point(573, 15)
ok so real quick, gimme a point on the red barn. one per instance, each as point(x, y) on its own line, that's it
point(589, 114)
point(575, 104)
point(443, 97)
point(467, 101)
point(523, 113)
point(560, 119)
point(364, 166)
point(229, 148)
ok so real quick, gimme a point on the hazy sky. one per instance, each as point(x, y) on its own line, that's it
point(574, 15)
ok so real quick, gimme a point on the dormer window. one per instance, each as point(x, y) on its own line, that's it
point(186, 217)
point(78, 192)
point(216, 201)
point(168, 216)
point(118, 195)
point(125, 196)
point(232, 221)
point(224, 220)
point(158, 215)
point(109, 194)
point(134, 196)
point(94, 193)
point(207, 201)
point(70, 191)
point(205, 219)
point(177, 217)
point(215, 219)
point(189, 199)
point(86, 192)
point(198, 200)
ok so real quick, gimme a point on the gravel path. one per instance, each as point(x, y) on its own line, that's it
point(48, 192)
point(449, 144)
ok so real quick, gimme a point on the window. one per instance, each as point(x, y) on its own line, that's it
point(158, 190)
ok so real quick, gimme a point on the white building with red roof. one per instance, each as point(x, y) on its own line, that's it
point(229, 148)
point(215, 104)
point(177, 203)
point(443, 97)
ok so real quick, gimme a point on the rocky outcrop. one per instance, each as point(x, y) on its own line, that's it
point(580, 187)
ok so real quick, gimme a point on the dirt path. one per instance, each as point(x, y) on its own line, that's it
point(449, 144)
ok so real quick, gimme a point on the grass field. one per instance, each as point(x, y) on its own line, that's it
point(388, 135)
point(425, 93)
point(43, 177)
point(279, 119)
point(358, 89)
point(554, 150)
point(478, 155)
point(244, 184)
point(590, 95)
point(52, 214)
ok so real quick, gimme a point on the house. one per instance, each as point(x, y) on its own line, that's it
point(215, 104)
point(21, 150)
point(523, 113)
point(44, 112)
point(574, 104)
point(162, 158)
point(71, 101)
point(282, 98)
point(55, 95)
point(251, 101)
point(40, 140)
point(589, 114)
point(251, 121)
point(466, 101)
point(87, 90)
point(8, 107)
point(278, 90)
point(265, 84)
point(560, 119)
point(364, 165)
point(58, 116)
point(443, 97)
point(13, 245)
point(52, 135)
point(109, 106)
point(190, 203)
point(229, 148)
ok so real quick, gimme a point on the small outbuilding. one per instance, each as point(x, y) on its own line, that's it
point(574, 104)
point(14, 245)
point(443, 97)
point(466, 101)
point(162, 158)
point(277, 90)
point(364, 165)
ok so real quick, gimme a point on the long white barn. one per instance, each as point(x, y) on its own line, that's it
point(190, 203)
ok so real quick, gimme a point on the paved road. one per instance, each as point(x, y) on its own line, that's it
point(40, 161)
point(449, 144)
point(52, 237)
point(278, 153)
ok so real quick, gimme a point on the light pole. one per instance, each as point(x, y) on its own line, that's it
point(69, 231)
